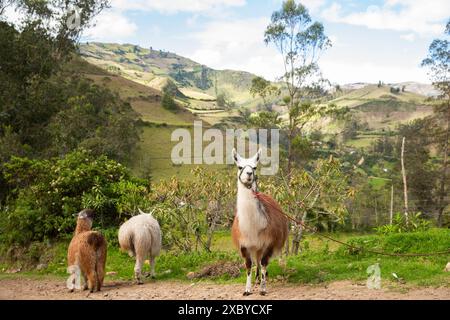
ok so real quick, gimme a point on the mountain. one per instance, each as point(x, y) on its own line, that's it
point(138, 74)
point(152, 68)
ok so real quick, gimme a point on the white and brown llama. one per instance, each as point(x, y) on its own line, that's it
point(259, 229)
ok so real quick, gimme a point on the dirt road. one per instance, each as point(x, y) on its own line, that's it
point(24, 288)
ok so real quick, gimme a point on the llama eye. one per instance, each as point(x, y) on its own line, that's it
point(254, 168)
point(240, 168)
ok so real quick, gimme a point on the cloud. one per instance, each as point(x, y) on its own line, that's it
point(175, 6)
point(313, 5)
point(111, 26)
point(238, 45)
point(343, 72)
point(408, 37)
point(399, 15)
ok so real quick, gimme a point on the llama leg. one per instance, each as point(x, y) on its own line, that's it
point(264, 263)
point(258, 272)
point(92, 280)
point(248, 266)
point(138, 269)
point(100, 274)
point(85, 287)
point(152, 267)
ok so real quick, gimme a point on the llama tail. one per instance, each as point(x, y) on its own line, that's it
point(74, 280)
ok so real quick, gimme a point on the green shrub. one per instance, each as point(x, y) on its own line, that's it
point(168, 102)
point(400, 224)
point(47, 193)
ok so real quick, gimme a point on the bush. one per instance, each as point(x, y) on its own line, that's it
point(399, 224)
point(168, 102)
point(47, 193)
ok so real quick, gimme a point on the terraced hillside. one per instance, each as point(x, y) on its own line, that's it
point(152, 68)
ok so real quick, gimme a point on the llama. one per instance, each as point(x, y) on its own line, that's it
point(259, 229)
point(86, 255)
point(140, 236)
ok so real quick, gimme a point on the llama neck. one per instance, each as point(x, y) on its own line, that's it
point(247, 203)
point(83, 225)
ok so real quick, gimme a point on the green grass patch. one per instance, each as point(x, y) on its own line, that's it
point(319, 262)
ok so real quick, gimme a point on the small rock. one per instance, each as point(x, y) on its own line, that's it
point(111, 273)
point(105, 295)
point(41, 266)
point(447, 267)
point(14, 270)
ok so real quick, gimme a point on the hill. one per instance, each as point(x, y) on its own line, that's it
point(153, 67)
point(138, 75)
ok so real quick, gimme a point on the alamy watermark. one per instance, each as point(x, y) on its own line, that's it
point(374, 280)
point(192, 150)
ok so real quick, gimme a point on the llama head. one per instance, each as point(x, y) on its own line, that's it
point(86, 215)
point(246, 168)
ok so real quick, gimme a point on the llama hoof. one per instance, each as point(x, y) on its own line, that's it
point(140, 282)
point(263, 293)
point(246, 293)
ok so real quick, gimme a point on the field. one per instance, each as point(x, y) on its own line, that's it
point(320, 265)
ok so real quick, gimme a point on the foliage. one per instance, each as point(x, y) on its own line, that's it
point(189, 211)
point(438, 64)
point(263, 88)
point(265, 120)
point(168, 102)
point(46, 193)
point(300, 41)
point(46, 110)
point(415, 223)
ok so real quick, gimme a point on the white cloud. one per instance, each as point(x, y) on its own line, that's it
point(111, 26)
point(421, 17)
point(408, 37)
point(237, 45)
point(175, 6)
point(313, 5)
point(343, 72)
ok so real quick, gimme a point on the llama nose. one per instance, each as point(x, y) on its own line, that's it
point(249, 174)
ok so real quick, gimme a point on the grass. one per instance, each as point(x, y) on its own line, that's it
point(319, 262)
point(154, 155)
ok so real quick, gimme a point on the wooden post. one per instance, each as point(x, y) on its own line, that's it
point(392, 204)
point(405, 188)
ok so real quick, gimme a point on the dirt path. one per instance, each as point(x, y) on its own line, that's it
point(24, 288)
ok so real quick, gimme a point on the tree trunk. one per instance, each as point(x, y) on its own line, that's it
point(405, 187)
point(391, 212)
point(376, 212)
point(444, 171)
point(298, 236)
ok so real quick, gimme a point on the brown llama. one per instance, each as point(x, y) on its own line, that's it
point(86, 255)
point(259, 229)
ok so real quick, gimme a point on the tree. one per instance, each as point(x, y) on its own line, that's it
point(300, 42)
point(263, 88)
point(438, 64)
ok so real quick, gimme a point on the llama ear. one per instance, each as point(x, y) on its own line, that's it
point(257, 156)
point(235, 156)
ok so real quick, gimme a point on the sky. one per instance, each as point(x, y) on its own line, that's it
point(372, 40)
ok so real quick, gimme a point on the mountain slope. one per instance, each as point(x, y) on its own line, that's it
point(153, 67)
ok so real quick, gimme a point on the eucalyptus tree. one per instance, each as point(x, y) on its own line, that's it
point(300, 41)
point(263, 88)
point(438, 64)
